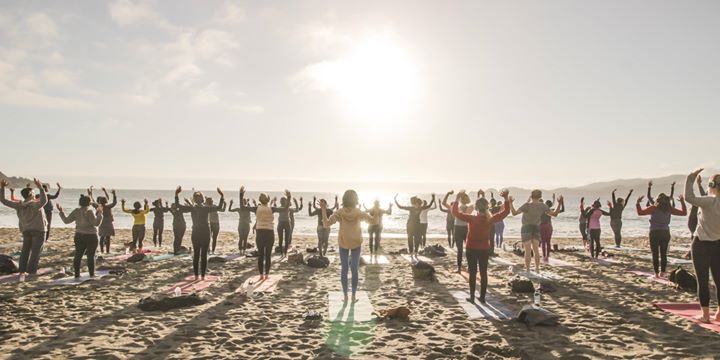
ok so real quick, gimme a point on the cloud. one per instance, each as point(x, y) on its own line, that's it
point(206, 96)
point(230, 14)
point(42, 25)
point(26, 98)
point(254, 109)
point(57, 77)
point(126, 12)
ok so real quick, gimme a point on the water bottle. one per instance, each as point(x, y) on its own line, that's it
point(22, 277)
point(510, 270)
point(537, 298)
point(178, 292)
point(250, 290)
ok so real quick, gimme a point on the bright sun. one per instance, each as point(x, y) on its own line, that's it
point(377, 79)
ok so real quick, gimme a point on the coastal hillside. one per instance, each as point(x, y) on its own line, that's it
point(15, 182)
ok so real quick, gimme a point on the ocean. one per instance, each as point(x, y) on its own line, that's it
point(565, 225)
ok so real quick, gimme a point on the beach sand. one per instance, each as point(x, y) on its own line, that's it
point(605, 312)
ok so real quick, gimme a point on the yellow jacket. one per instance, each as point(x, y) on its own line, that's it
point(138, 217)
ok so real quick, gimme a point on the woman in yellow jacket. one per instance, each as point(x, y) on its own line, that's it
point(349, 236)
point(139, 216)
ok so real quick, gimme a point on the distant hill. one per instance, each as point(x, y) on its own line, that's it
point(15, 182)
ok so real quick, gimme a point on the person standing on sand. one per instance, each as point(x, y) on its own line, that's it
point(460, 228)
point(199, 212)
point(139, 218)
point(179, 227)
point(583, 224)
point(424, 222)
point(284, 227)
point(477, 242)
point(531, 212)
point(349, 237)
point(106, 230)
point(546, 229)
point(616, 209)
point(31, 216)
point(660, 214)
point(158, 221)
point(375, 230)
point(86, 235)
point(49, 206)
point(449, 223)
point(496, 207)
point(323, 232)
point(214, 220)
point(244, 221)
point(414, 231)
point(693, 215)
point(264, 229)
point(593, 214)
point(706, 243)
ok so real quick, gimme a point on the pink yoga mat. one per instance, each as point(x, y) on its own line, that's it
point(559, 263)
point(189, 283)
point(465, 275)
point(652, 277)
point(689, 311)
point(269, 285)
point(15, 277)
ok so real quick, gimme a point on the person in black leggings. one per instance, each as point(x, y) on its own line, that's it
point(158, 221)
point(86, 238)
point(375, 230)
point(414, 231)
point(284, 226)
point(179, 227)
point(616, 209)
point(460, 227)
point(265, 237)
point(199, 212)
point(449, 224)
point(244, 224)
point(214, 221)
point(106, 230)
point(693, 216)
point(323, 232)
point(660, 214)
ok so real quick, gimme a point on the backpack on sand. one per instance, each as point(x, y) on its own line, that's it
point(136, 258)
point(7, 265)
point(317, 262)
point(520, 285)
point(422, 270)
point(531, 316)
point(683, 279)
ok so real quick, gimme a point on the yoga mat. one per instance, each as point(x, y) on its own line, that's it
point(411, 260)
point(234, 257)
point(652, 277)
point(15, 277)
point(492, 309)
point(165, 256)
point(11, 245)
point(375, 260)
point(187, 285)
point(559, 263)
point(500, 261)
point(670, 260)
point(623, 248)
point(605, 261)
point(575, 247)
point(73, 281)
point(465, 275)
point(359, 311)
point(682, 248)
point(267, 286)
point(542, 275)
point(689, 311)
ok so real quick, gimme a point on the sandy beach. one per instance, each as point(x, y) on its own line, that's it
point(605, 312)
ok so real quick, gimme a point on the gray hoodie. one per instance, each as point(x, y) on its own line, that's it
point(29, 212)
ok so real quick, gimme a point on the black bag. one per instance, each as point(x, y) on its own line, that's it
point(518, 249)
point(217, 259)
point(7, 265)
point(312, 315)
point(136, 258)
point(520, 285)
point(317, 262)
point(683, 279)
point(531, 316)
point(155, 303)
point(312, 250)
point(434, 251)
point(423, 271)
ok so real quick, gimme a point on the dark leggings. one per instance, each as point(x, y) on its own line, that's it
point(214, 232)
point(693, 219)
point(414, 237)
point(478, 259)
point(264, 240)
point(616, 226)
point(659, 240)
point(595, 243)
point(374, 232)
point(450, 228)
point(423, 233)
point(583, 231)
point(138, 235)
point(157, 234)
point(201, 242)
point(105, 243)
point(178, 234)
point(243, 234)
point(48, 217)
point(284, 230)
point(85, 244)
point(706, 259)
point(459, 234)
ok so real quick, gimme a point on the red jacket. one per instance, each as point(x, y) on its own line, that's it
point(478, 236)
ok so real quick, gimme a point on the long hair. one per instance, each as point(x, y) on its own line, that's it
point(481, 205)
point(663, 202)
point(350, 199)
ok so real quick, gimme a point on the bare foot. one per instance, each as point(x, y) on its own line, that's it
point(470, 300)
point(702, 318)
point(717, 315)
point(196, 278)
point(354, 299)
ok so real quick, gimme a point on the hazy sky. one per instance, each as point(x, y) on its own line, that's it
point(528, 93)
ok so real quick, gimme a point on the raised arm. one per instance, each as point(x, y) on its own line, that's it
point(327, 222)
point(57, 193)
point(442, 209)
point(431, 205)
point(3, 200)
point(459, 215)
point(614, 199)
point(242, 202)
point(312, 212)
point(230, 207)
point(514, 211)
point(389, 209)
point(559, 208)
point(336, 206)
point(690, 197)
point(66, 219)
point(683, 208)
point(646, 211)
point(445, 199)
point(628, 197)
point(701, 190)
point(181, 208)
point(506, 207)
point(400, 206)
point(114, 199)
point(650, 200)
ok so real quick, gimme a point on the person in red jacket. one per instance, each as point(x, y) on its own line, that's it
point(477, 241)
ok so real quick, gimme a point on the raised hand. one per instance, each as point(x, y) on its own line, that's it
point(4, 183)
point(178, 190)
point(505, 194)
point(58, 186)
point(681, 198)
point(59, 207)
point(146, 201)
point(38, 183)
point(699, 180)
point(122, 201)
point(220, 192)
point(639, 199)
point(242, 189)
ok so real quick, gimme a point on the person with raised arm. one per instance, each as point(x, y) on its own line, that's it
point(323, 232)
point(350, 237)
point(706, 243)
point(532, 212)
point(86, 233)
point(414, 232)
point(179, 225)
point(31, 222)
point(291, 215)
point(693, 215)
point(449, 222)
point(460, 226)
point(424, 222)
point(477, 242)
point(49, 206)
point(616, 210)
point(546, 228)
point(593, 214)
point(499, 227)
point(214, 220)
point(200, 213)
point(264, 230)
point(583, 224)
point(106, 230)
point(158, 211)
point(375, 230)
point(244, 224)
point(284, 227)
point(660, 214)
point(139, 219)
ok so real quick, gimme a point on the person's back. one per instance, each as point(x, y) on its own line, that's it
point(532, 212)
point(350, 232)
